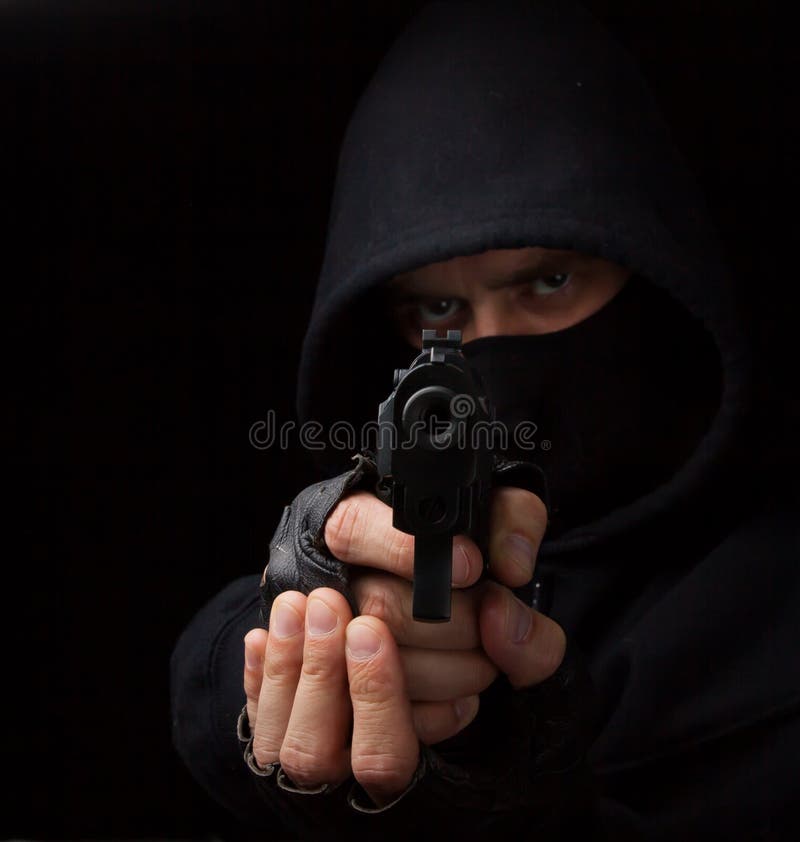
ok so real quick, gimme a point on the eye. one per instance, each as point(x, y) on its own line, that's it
point(550, 284)
point(438, 309)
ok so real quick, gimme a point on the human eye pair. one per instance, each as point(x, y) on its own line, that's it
point(440, 309)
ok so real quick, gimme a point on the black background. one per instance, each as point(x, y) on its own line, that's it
point(166, 176)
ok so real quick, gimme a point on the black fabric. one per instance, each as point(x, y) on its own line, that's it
point(621, 399)
point(506, 124)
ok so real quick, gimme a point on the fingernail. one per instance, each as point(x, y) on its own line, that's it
point(321, 618)
point(285, 621)
point(465, 708)
point(362, 642)
point(252, 659)
point(519, 621)
point(460, 565)
point(520, 551)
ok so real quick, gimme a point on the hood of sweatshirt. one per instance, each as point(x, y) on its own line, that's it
point(504, 125)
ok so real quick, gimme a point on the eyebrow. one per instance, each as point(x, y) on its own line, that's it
point(522, 275)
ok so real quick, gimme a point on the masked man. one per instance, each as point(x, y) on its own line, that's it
point(618, 671)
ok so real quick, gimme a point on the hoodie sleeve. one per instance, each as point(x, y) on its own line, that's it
point(207, 693)
point(495, 777)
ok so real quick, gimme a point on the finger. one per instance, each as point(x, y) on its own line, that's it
point(390, 599)
point(524, 644)
point(436, 676)
point(385, 749)
point(255, 646)
point(517, 524)
point(314, 749)
point(437, 721)
point(282, 662)
point(359, 531)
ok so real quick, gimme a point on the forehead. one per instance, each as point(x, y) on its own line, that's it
point(484, 267)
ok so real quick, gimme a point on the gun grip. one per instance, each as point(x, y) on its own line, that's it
point(433, 567)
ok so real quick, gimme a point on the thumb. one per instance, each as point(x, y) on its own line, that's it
point(525, 645)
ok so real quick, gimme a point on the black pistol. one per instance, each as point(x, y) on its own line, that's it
point(435, 463)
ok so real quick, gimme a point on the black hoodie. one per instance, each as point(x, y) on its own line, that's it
point(510, 124)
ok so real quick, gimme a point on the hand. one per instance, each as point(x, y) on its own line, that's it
point(422, 682)
point(522, 643)
point(327, 695)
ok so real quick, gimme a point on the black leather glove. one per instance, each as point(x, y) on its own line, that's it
point(298, 557)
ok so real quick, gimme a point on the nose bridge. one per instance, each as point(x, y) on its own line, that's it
point(493, 314)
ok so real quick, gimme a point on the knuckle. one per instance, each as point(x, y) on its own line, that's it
point(398, 550)
point(373, 689)
point(379, 597)
point(303, 765)
point(384, 772)
point(324, 664)
point(319, 669)
point(344, 527)
point(298, 763)
point(373, 686)
point(264, 750)
point(282, 666)
point(373, 598)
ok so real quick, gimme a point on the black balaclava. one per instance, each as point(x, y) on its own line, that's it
point(612, 406)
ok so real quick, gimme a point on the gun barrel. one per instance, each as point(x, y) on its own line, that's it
point(433, 562)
